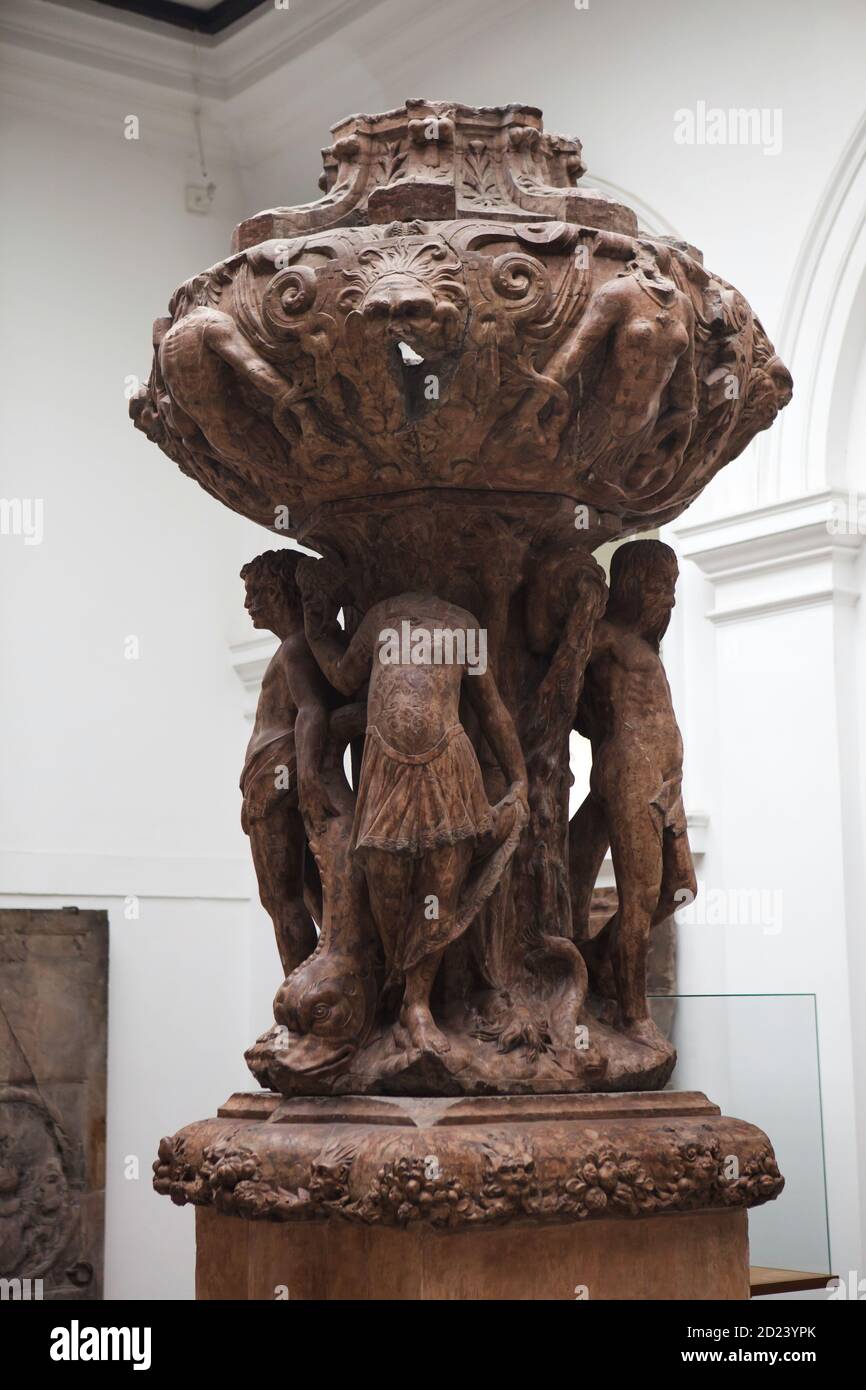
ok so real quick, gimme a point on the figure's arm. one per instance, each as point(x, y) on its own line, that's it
point(599, 320)
point(223, 337)
point(306, 687)
point(498, 728)
point(346, 665)
point(682, 398)
point(585, 721)
point(349, 721)
point(562, 685)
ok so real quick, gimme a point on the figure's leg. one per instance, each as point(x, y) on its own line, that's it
point(679, 885)
point(636, 849)
point(277, 844)
point(415, 1014)
point(440, 873)
point(587, 845)
point(389, 887)
point(602, 980)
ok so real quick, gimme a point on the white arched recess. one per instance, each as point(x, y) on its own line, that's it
point(771, 646)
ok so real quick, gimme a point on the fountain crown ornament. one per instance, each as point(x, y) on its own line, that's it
point(438, 160)
point(457, 312)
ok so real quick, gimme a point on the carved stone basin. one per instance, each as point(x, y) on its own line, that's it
point(457, 312)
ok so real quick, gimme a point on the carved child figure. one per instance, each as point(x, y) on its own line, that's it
point(280, 778)
point(635, 801)
point(422, 813)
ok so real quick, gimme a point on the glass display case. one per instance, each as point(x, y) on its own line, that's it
point(756, 1056)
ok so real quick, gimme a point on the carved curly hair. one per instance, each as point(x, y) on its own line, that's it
point(630, 567)
point(279, 566)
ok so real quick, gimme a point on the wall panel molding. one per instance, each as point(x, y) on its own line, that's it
point(27, 873)
point(778, 559)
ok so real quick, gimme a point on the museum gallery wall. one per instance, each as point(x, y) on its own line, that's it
point(760, 685)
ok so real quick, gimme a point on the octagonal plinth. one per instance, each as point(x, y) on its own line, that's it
point(629, 1196)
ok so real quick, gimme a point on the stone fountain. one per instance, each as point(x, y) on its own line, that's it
point(452, 378)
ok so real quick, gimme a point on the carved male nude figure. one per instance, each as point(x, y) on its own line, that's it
point(422, 812)
point(635, 800)
point(280, 778)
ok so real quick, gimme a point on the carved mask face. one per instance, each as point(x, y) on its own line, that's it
point(403, 305)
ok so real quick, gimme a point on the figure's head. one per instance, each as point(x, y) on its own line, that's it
point(273, 600)
point(643, 579)
point(561, 583)
point(770, 389)
point(653, 263)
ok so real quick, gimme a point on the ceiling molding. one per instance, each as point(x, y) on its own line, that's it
point(781, 561)
point(211, 20)
point(93, 35)
point(92, 38)
point(779, 510)
point(772, 537)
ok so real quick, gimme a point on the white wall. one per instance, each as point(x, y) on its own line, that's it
point(121, 776)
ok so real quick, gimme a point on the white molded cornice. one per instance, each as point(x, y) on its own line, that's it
point(778, 558)
point(777, 534)
point(272, 38)
point(815, 597)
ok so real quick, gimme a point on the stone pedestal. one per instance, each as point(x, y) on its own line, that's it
point(632, 1196)
point(704, 1255)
